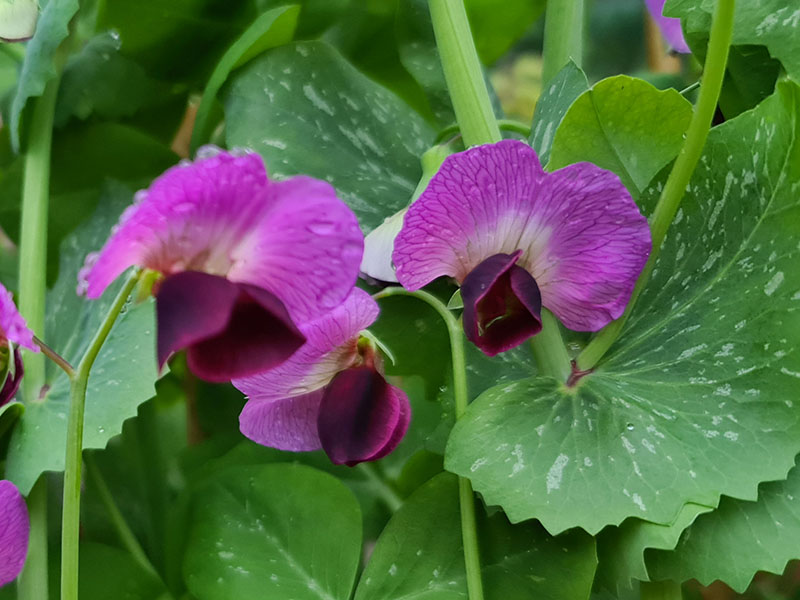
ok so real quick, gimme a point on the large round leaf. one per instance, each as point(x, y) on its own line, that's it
point(307, 110)
point(699, 396)
point(420, 555)
point(273, 531)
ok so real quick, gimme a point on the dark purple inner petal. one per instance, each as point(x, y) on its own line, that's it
point(11, 384)
point(502, 304)
point(230, 329)
point(361, 417)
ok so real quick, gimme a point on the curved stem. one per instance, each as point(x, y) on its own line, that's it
point(681, 174)
point(70, 527)
point(54, 356)
point(563, 36)
point(451, 131)
point(469, 530)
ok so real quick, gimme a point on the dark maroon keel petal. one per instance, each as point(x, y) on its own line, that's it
point(361, 417)
point(502, 304)
point(12, 382)
point(230, 329)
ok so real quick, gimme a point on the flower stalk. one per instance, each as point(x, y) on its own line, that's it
point(70, 529)
point(469, 530)
point(681, 174)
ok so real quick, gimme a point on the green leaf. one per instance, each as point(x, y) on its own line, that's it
point(698, 395)
point(420, 555)
point(568, 84)
point(38, 66)
point(9, 413)
point(622, 549)
point(749, 79)
point(99, 80)
point(624, 125)
point(274, 531)
point(107, 572)
point(329, 121)
point(123, 375)
point(771, 23)
point(756, 536)
point(273, 28)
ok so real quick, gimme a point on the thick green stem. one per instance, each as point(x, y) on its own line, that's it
point(469, 529)
point(126, 536)
point(660, 590)
point(549, 350)
point(478, 125)
point(681, 174)
point(462, 71)
point(563, 36)
point(33, 232)
point(70, 527)
point(33, 582)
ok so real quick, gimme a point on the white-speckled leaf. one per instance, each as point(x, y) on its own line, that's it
point(771, 23)
point(122, 377)
point(420, 555)
point(306, 110)
point(755, 536)
point(700, 395)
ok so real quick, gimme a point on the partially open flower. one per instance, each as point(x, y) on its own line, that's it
point(244, 259)
point(516, 239)
point(14, 531)
point(669, 26)
point(331, 394)
point(13, 331)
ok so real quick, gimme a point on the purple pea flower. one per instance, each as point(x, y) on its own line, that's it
point(516, 239)
point(13, 330)
point(331, 394)
point(670, 27)
point(244, 259)
point(14, 530)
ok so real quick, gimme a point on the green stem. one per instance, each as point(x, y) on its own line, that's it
point(660, 590)
point(54, 356)
point(70, 527)
point(549, 350)
point(126, 536)
point(389, 496)
point(563, 36)
point(33, 231)
point(681, 174)
point(33, 582)
point(462, 71)
point(503, 124)
point(477, 123)
point(469, 530)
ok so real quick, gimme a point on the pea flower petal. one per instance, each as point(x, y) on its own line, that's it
point(669, 26)
point(229, 329)
point(579, 233)
point(292, 406)
point(14, 531)
point(12, 326)
point(502, 304)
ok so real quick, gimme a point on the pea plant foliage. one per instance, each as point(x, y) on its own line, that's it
point(406, 300)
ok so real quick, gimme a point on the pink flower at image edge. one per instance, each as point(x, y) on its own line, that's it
point(670, 27)
point(14, 531)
